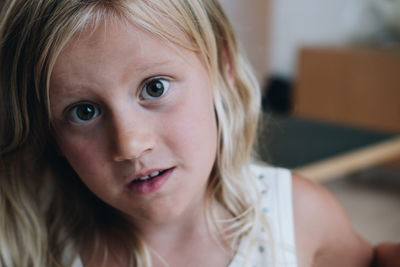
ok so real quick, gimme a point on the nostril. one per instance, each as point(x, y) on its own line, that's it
point(132, 146)
point(131, 132)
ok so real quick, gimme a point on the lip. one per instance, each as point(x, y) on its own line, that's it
point(152, 184)
point(146, 173)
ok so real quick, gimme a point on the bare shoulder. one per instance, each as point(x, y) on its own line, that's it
point(324, 235)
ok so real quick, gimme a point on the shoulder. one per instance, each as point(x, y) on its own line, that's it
point(324, 235)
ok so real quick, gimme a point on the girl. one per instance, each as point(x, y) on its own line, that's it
point(126, 139)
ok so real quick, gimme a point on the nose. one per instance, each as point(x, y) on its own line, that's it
point(132, 139)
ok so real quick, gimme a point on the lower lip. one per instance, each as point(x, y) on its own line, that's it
point(151, 185)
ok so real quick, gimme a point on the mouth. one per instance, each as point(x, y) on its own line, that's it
point(149, 177)
point(150, 182)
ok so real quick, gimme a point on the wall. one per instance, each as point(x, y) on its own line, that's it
point(250, 21)
point(272, 31)
point(312, 22)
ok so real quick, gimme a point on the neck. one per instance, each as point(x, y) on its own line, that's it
point(188, 241)
point(190, 224)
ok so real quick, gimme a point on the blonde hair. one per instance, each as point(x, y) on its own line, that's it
point(39, 224)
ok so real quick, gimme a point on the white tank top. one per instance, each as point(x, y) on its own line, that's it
point(276, 247)
point(275, 186)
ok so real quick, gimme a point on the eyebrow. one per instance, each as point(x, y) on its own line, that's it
point(151, 64)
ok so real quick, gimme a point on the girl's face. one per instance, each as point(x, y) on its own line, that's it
point(134, 117)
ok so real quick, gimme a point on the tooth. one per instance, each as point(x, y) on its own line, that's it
point(144, 178)
point(153, 174)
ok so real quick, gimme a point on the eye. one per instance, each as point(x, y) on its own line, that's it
point(82, 113)
point(154, 88)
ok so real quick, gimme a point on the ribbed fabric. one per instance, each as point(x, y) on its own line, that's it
point(275, 246)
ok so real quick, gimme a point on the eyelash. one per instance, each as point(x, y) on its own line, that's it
point(75, 117)
point(165, 82)
point(73, 114)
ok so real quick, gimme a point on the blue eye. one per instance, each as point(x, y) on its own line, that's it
point(82, 113)
point(154, 88)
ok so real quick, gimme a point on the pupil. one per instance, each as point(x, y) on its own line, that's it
point(155, 88)
point(85, 112)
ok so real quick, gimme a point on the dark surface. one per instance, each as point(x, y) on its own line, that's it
point(292, 142)
point(277, 96)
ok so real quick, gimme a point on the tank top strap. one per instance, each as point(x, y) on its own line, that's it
point(274, 246)
point(277, 203)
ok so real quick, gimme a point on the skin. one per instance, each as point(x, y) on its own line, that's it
point(133, 133)
point(324, 235)
point(387, 255)
point(128, 134)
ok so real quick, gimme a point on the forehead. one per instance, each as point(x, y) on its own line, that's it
point(96, 30)
point(115, 49)
point(110, 33)
point(118, 31)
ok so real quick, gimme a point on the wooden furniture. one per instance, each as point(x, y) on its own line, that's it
point(322, 151)
point(334, 167)
point(351, 86)
point(356, 86)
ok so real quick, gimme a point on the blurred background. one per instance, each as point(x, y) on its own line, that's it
point(330, 75)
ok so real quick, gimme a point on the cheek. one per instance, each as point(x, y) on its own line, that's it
point(192, 128)
point(84, 155)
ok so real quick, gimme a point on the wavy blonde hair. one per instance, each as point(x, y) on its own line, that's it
point(46, 213)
